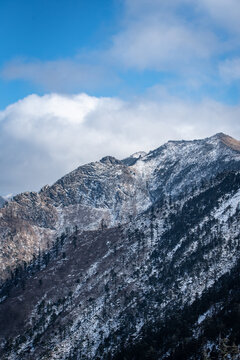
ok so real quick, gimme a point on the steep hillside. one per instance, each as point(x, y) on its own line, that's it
point(178, 167)
point(97, 195)
point(99, 292)
point(107, 193)
point(135, 259)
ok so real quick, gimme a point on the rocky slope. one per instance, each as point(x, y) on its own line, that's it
point(121, 247)
point(107, 193)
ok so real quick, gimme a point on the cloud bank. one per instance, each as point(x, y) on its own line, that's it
point(63, 75)
point(43, 137)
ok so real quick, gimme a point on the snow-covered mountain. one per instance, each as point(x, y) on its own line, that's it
point(108, 192)
point(114, 249)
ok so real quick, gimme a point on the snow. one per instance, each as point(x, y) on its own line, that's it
point(202, 317)
point(138, 154)
point(228, 208)
point(90, 195)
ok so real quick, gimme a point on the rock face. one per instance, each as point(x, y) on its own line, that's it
point(100, 194)
point(180, 166)
point(98, 264)
point(107, 193)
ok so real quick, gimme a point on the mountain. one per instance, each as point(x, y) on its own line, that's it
point(97, 265)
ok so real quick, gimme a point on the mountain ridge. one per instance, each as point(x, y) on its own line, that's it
point(112, 251)
point(107, 191)
point(104, 288)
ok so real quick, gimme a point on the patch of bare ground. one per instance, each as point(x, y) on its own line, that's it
point(231, 142)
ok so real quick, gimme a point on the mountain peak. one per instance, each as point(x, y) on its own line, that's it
point(110, 160)
point(132, 159)
point(220, 135)
point(138, 155)
point(229, 141)
point(112, 230)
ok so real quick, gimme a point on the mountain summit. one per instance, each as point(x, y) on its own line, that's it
point(98, 264)
point(229, 141)
point(109, 191)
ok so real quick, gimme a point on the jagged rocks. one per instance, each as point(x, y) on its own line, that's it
point(111, 191)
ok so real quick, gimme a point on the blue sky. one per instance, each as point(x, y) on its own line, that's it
point(97, 36)
point(34, 30)
point(130, 73)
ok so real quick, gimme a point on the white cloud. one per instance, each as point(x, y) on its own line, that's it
point(161, 46)
point(60, 75)
point(177, 36)
point(230, 69)
point(164, 35)
point(225, 13)
point(43, 137)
